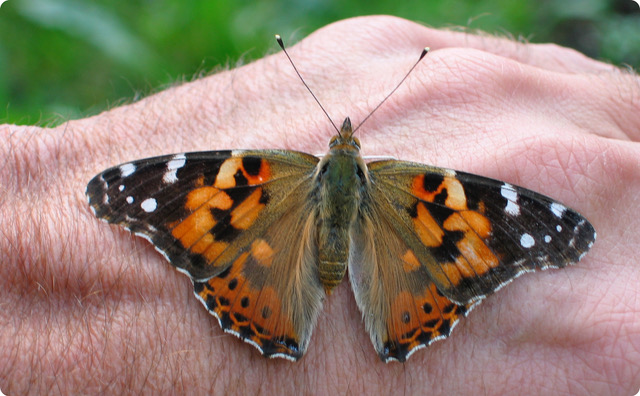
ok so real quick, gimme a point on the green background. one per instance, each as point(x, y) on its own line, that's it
point(63, 59)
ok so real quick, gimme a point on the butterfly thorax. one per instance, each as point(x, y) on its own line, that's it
point(340, 179)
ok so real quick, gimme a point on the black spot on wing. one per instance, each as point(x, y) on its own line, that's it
point(252, 165)
point(441, 198)
point(240, 179)
point(432, 181)
point(448, 251)
point(439, 213)
point(223, 230)
point(445, 328)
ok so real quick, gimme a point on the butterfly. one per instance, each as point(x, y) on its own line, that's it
point(266, 235)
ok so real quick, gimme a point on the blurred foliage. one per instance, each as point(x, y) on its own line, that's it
point(62, 59)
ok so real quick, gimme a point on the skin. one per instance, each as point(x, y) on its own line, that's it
point(88, 308)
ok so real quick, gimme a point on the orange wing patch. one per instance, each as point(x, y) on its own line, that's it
point(262, 252)
point(247, 211)
point(455, 197)
point(417, 321)
point(254, 172)
point(410, 262)
point(194, 231)
point(426, 227)
point(473, 257)
point(252, 312)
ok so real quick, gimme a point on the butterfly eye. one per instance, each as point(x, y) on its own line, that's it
point(357, 142)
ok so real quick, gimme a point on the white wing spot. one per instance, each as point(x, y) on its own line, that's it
point(510, 193)
point(512, 208)
point(173, 165)
point(121, 187)
point(149, 205)
point(559, 228)
point(527, 241)
point(547, 238)
point(127, 170)
point(129, 199)
point(558, 209)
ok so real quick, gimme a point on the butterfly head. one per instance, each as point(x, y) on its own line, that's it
point(345, 137)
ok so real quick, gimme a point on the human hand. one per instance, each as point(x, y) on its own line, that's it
point(89, 308)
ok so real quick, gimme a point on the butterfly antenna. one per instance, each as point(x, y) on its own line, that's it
point(281, 44)
point(422, 55)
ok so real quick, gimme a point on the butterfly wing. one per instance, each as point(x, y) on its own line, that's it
point(448, 239)
point(402, 308)
point(226, 219)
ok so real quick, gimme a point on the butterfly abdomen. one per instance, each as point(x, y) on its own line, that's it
point(331, 273)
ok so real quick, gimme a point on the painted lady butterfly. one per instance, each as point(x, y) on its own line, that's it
point(265, 234)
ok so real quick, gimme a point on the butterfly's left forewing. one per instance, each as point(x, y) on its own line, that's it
point(241, 224)
point(442, 241)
